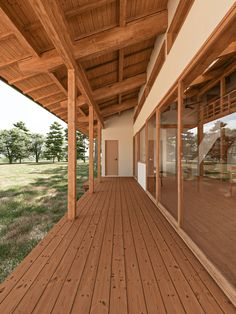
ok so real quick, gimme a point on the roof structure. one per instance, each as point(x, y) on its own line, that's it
point(110, 43)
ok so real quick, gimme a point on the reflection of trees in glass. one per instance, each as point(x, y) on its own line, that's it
point(171, 147)
point(221, 147)
point(190, 145)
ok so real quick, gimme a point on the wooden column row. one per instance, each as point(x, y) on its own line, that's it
point(72, 149)
point(72, 157)
point(91, 150)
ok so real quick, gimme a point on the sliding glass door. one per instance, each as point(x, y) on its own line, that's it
point(168, 159)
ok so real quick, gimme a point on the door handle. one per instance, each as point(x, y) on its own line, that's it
point(116, 158)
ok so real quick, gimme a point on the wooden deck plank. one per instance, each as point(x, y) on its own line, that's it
point(12, 279)
point(118, 297)
point(206, 279)
point(57, 267)
point(41, 250)
point(136, 299)
point(119, 256)
point(202, 293)
point(170, 296)
point(69, 290)
point(208, 293)
point(101, 293)
point(84, 293)
point(186, 294)
point(151, 289)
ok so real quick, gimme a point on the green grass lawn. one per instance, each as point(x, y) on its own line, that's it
point(33, 197)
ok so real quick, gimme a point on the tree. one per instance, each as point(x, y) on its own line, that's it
point(190, 145)
point(12, 144)
point(36, 145)
point(54, 142)
point(21, 125)
point(24, 150)
point(80, 144)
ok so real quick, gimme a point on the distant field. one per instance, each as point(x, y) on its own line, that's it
point(33, 197)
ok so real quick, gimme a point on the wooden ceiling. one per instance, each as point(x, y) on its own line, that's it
point(111, 41)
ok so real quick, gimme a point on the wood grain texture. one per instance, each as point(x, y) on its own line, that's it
point(119, 256)
point(72, 149)
point(91, 150)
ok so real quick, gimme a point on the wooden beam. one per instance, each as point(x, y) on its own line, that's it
point(114, 109)
point(41, 98)
point(91, 137)
point(72, 159)
point(79, 10)
point(231, 49)
point(22, 78)
point(99, 129)
point(13, 25)
point(35, 88)
point(54, 22)
point(121, 70)
point(114, 89)
point(102, 43)
point(25, 40)
point(87, 7)
point(122, 16)
point(118, 88)
point(180, 153)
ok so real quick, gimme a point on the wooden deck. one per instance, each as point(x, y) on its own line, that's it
point(119, 256)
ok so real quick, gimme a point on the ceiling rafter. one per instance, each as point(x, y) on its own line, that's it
point(122, 22)
point(36, 88)
point(107, 111)
point(54, 22)
point(82, 9)
point(102, 43)
point(114, 89)
point(23, 39)
point(15, 28)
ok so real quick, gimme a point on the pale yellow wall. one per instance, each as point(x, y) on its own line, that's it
point(172, 5)
point(201, 21)
point(120, 128)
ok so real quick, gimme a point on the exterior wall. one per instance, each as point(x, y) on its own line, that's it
point(120, 128)
point(198, 26)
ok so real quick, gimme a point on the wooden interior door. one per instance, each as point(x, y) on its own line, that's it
point(111, 167)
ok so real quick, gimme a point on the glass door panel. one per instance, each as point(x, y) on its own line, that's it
point(151, 160)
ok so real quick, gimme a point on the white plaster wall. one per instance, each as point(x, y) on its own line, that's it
point(201, 21)
point(120, 128)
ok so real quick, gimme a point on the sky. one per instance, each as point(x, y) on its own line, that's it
point(16, 107)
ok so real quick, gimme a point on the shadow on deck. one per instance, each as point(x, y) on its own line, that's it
point(119, 256)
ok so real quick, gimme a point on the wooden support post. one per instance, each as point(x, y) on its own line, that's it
point(99, 129)
point(72, 158)
point(91, 136)
point(157, 155)
point(180, 153)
